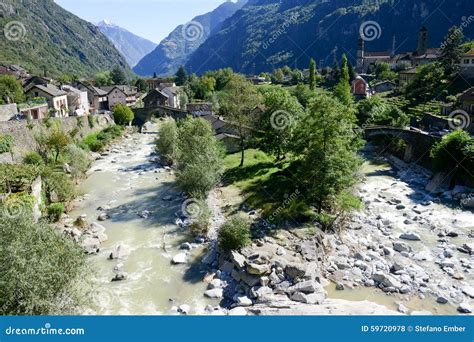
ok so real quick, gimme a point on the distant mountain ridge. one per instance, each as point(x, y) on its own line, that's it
point(181, 43)
point(131, 46)
point(45, 38)
point(267, 34)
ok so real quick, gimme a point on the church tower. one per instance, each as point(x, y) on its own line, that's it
point(360, 55)
point(422, 41)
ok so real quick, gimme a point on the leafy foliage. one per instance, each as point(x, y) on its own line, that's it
point(167, 142)
point(55, 211)
point(6, 144)
point(11, 90)
point(123, 115)
point(234, 234)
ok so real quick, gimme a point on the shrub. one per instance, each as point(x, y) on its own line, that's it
point(59, 186)
point(17, 178)
point(90, 120)
point(200, 224)
point(77, 159)
point(55, 211)
point(123, 115)
point(167, 141)
point(234, 234)
point(17, 204)
point(33, 158)
point(6, 144)
point(43, 272)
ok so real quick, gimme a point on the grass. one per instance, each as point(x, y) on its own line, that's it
point(267, 185)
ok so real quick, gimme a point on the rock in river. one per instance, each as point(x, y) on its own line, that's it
point(411, 236)
point(180, 258)
point(214, 293)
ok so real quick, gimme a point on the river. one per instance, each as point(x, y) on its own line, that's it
point(143, 202)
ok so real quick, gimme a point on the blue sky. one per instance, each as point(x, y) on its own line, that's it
point(151, 19)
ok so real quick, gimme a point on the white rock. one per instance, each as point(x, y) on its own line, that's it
point(215, 284)
point(120, 252)
point(180, 258)
point(243, 301)
point(184, 309)
point(214, 293)
point(464, 308)
point(238, 311)
point(468, 291)
point(410, 236)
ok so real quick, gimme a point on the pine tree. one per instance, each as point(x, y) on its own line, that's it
point(181, 76)
point(451, 52)
point(312, 74)
point(342, 90)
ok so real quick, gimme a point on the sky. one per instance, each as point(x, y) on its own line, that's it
point(150, 19)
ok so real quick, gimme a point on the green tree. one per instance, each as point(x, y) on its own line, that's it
point(57, 141)
point(199, 158)
point(103, 79)
point(238, 102)
point(167, 142)
point(383, 71)
point(11, 90)
point(123, 115)
point(327, 146)
point(428, 84)
point(141, 85)
point(276, 124)
point(312, 74)
point(181, 76)
point(42, 271)
point(222, 77)
point(452, 51)
point(118, 76)
point(342, 90)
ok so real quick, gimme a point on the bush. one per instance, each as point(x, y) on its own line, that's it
point(200, 224)
point(6, 144)
point(167, 141)
point(33, 158)
point(90, 120)
point(96, 142)
point(199, 158)
point(123, 115)
point(234, 234)
point(77, 159)
point(59, 186)
point(17, 178)
point(42, 271)
point(55, 211)
point(17, 204)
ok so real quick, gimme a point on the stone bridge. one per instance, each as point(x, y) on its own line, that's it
point(143, 115)
point(419, 143)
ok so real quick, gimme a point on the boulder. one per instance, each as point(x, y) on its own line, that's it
point(120, 252)
point(120, 276)
point(238, 259)
point(215, 284)
point(314, 298)
point(238, 311)
point(209, 257)
point(309, 286)
point(103, 217)
point(401, 247)
point(468, 291)
point(386, 280)
point(97, 228)
point(243, 301)
point(180, 258)
point(214, 293)
point(186, 246)
point(439, 183)
point(411, 236)
point(295, 270)
point(184, 309)
point(441, 300)
point(464, 308)
point(91, 245)
point(257, 269)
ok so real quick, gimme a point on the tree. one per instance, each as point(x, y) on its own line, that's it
point(167, 142)
point(451, 52)
point(383, 71)
point(103, 79)
point(276, 124)
point(42, 271)
point(352, 72)
point(199, 158)
point(181, 76)
point(238, 102)
point(11, 90)
point(342, 90)
point(123, 115)
point(57, 141)
point(303, 93)
point(118, 76)
point(312, 74)
point(428, 83)
point(327, 146)
point(141, 85)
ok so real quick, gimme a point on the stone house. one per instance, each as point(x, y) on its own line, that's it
point(34, 111)
point(360, 88)
point(121, 94)
point(199, 108)
point(155, 98)
point(55, 97)
point(407, 76)
point(98, 101)
point(78, 101)
point(467, 64)
point(384, 86)
point(173, 92)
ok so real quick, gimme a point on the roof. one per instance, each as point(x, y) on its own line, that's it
point(173, 90)
point(98, 91)
point(71, 89)
point(155, 91)
point(127, 90)
point(49, 89)
point(385, 54)
point(429, 54)
point(468, 95)
point(470, 53)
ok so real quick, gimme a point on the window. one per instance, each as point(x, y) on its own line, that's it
point(466, 61)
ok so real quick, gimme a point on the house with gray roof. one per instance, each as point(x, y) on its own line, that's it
point(55, 97)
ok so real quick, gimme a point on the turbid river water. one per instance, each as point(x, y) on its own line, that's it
point(129, 185)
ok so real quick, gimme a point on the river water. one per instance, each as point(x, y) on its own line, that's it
point(128, 183)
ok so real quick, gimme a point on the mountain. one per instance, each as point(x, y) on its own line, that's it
point(267, 34)
point(43, 37)
point(175, 50)
point(131, 46)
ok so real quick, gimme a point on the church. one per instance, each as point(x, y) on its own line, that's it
point(422, 55)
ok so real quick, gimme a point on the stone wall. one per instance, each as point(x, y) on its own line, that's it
point(23, 133)
point(8, 111)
